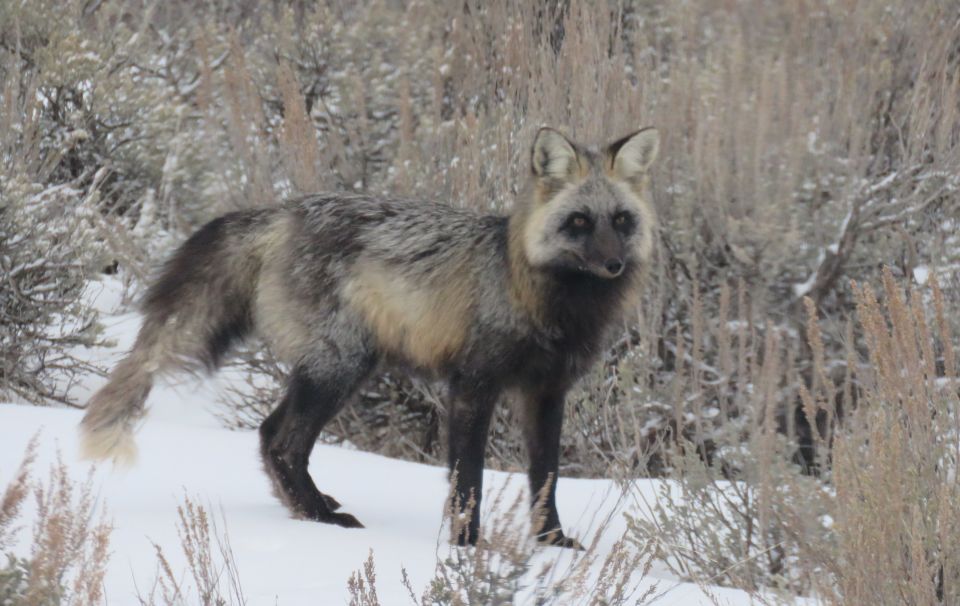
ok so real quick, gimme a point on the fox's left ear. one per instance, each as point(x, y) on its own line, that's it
point(633, 154)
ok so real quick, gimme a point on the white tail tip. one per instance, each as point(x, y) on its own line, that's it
point(114, 443)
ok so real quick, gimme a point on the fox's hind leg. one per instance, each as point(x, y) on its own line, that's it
point(315, 394)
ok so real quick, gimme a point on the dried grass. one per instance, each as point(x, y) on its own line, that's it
point(804, 145)
point(897, 503)
point(877, 523)
point(505, 567)
point(210, 562)
point(69, 544)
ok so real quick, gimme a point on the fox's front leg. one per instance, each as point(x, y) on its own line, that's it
point(471, 408)
point(542, 417)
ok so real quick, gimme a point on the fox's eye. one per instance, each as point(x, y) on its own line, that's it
point(623, 222)
point(577, 224)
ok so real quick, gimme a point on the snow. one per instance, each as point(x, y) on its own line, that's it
point(802, 289)
point(883, 183)
point(184, 451)
point(282, 560)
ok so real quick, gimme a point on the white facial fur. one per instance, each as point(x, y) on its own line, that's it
point(608, 188)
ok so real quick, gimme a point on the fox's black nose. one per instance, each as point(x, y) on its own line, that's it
point(614, 266)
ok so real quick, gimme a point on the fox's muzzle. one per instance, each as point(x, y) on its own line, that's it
point(607, 269)
point(605, 254)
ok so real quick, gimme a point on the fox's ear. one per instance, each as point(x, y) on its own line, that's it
point(553, 156)
point(634, 154)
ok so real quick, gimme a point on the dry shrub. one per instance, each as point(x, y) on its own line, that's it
point(742, 510)
point(47, 250)
point(362, 586)
point(65, 177)
point(210, 563)
point(804, 144)
point(896, 511)
point(48, 246)
point(15, 494)
point(501, 570)
point(68, 546)
point(878, 523)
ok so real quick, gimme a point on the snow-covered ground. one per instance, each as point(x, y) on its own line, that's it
point(184, 451)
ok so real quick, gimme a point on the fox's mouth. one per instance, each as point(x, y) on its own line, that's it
point(573, 262)
point(604, 271)
point(608, 270)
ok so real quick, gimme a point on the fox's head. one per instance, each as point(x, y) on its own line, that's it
point(589, 211)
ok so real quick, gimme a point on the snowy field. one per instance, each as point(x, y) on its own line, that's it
point(183, 451)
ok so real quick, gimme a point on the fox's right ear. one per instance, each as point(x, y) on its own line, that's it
point(553, 156)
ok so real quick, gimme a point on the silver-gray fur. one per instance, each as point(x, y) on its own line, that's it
point(340, 284)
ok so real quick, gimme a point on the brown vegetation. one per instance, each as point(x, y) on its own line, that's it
point(68, 545)
point(805, 145)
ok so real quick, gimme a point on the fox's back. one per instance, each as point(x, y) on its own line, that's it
point(412, 272)
point(399, 231)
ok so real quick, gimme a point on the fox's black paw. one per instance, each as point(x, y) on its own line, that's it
point(322, 512)
point(332, 504)
point(344, 519)
point(465, 538)
point(556, 538)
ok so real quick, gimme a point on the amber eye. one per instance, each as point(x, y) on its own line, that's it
point(577, 224)
point(623, 222)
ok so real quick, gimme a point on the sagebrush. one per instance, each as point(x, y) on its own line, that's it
point(805, 145)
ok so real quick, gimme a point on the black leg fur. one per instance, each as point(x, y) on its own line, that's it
point(288, 435)
point(542, 416)
point(469, 422)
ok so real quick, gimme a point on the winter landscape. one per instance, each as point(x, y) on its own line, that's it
point(776, 422)
point(187, 455)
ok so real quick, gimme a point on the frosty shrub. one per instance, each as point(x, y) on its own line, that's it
point(805, 145)
point(879, 524)
point(78, 145)
point(48, 245)
point(787, 170)
point(744, 509)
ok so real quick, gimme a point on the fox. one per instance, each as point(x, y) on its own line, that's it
point(342, 285)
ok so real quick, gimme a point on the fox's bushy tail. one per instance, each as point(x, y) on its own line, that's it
point(200, 306)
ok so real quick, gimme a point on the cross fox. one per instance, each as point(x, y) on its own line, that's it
point(339, 285)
